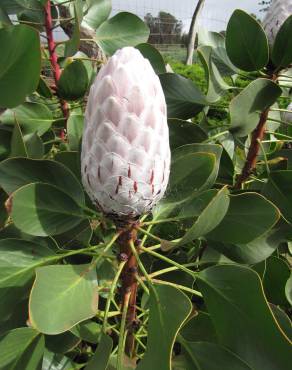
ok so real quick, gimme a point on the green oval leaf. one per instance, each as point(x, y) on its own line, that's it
point(169, 308)
point(282, 49)
point(246, 42)
point(234, 293)
point(123, 29)
point(22, 348)
point(42, 210)
point(152, 54)
point(245, 108)
point(20, 64)
point(54, 305)
point(184, 132)
point(17, 172)
point(250, 212)
point(96, 13)
point(184, 100)
point(70, 87)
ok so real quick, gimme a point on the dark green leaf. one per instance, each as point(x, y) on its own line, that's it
point(169, 308)
point(282, 49)
point(250, 212)
point(61, 343)
point(184, 132)
point(154, 57)
point(75, 125)
point(20, 64)
point(234, 294)
point(101, 356)
point(21, 349)
point(184, 100)
point(70, 87)
point(123, 29)
point(17, 172)
point(246, 42)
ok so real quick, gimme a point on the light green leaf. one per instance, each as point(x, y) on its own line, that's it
point(246, 107)
point(169, 308)
point(75, 125)
point(123, 29)
point(32, 117)
point(97, 11)
point(56, 297)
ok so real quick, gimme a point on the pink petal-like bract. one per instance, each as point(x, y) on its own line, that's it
point(125, 156)
point(278, 12)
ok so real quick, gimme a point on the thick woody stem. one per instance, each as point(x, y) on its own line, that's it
point(53, 55)
point(129, 283)
point(257, 137)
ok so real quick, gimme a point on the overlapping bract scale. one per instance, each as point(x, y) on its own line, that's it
point(278, 12)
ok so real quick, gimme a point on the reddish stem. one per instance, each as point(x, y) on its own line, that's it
point(129, 283)
point(53, 55)
point(257, 137)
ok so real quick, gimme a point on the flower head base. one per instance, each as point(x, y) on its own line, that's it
point(125, 156)
point(277, 14)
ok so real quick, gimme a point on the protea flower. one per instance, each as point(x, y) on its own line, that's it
point(278, 12)
point(125, 148)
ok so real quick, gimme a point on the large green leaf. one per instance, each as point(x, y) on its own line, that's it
point(61, 343)
point(245, 108)
point(152, 54)
point(210, 217)
point(123, 29)
point(169, 308)
point(184, 132)
point(211, 356)
point(101, 356)
point(253, 252)
point(20, 64)
point(75, 125)
point(278, 190)
point(17, 172)
point(96, 12)
point(70, 87)
point(275, 273)
point(21, 349)
point(184, 100)
point(18, 259)
point(234, 294)
point(246, 42)
point(216, 85)
point(62, 296)
point(88, 330)
point(199, 328)
point(42, 210)
point(32, 117)
point(249, 216)
point(282, 49)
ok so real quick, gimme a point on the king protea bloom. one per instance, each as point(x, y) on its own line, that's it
point(278, 12)
point(125, 157)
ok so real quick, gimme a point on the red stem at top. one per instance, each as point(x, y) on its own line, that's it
point(53, 55)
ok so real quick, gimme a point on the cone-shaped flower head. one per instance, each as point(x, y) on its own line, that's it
point(278, 12)
point(125, 156)
point(288, 115)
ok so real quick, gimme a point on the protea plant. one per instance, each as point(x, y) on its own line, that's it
point(278, 12)
point(126, 155)
point(125, 147)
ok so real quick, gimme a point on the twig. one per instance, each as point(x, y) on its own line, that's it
point(53, 55)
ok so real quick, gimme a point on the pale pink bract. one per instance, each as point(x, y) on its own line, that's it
point(125, 156)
